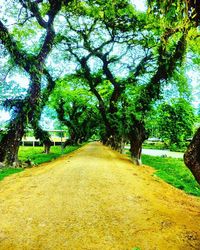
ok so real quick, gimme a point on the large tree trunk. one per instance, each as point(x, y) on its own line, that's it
point(116, 143)
point(136, 150)
point(137, 136)
point(10, 143)
point(43, 136)
point(192, 156)
point(73, 140)
point(34, 66)
point(119, 144)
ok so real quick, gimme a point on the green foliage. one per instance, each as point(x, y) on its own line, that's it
point(35, 154)
point(11, 89)
point(153, 145)
point(5, 172)
point(174, 172)
point(122, 56)
point(175, 122)
point(181, 84)
point(76, 108)
point(176, 12)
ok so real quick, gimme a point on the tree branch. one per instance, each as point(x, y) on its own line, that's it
point(19, 57)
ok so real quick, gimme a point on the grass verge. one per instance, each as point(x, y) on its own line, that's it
point(161, 145)
point(8, 171)
point(35, 155)
point(154, 145)
point(174, 172)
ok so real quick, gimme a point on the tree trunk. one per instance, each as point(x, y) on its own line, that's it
point(72, 141)
point(34, 66)
point(10, 142)
point(42, 135)
point(116, 143)
point(47, 146)
point(137, 136)
point(136, 150)
point(122, 145)
point(192, 156)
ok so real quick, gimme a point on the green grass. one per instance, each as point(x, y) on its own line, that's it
point(35, 155)
point(8, 171)
point(161, 145)
point(154, 145)
point(174, 172)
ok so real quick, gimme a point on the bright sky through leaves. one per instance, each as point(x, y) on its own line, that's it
point(139, 4)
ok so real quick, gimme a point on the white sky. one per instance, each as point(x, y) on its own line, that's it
point(21, 80)
point(4, 116)
point(194, 76)
point(139, 4)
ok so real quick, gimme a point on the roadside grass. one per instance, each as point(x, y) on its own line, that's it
point(162, 145)
point(8, 171)
point(174, 172)
point(154, 145)
point(35, 155)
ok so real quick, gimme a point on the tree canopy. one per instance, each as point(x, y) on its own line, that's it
point(102, 65)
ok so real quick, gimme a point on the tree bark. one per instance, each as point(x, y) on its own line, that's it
point(10, 142)
point(137, 136)
point(43, 136)
point(23, 110)
point(192, 156)
point(34, 66)
point(116, 142)
point(136, 150)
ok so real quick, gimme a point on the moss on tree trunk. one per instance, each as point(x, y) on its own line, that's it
point(192, 156)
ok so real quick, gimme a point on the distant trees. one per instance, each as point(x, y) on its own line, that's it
point(76, 110)
point(176, 122)
point(132, 55)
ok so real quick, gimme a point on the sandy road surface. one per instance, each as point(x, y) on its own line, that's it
point(95, 199)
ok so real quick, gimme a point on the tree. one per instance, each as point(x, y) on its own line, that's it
point(180, 10)
point(82, 46)
point(185, 13)
point(122, 56)
point(76, 110)
point(152, 53)
point(176, 122)
point(33, 63)
point(192, 156)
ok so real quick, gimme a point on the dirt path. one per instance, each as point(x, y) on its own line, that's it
point(95, 199)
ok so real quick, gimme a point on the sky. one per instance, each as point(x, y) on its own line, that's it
point(139, 4)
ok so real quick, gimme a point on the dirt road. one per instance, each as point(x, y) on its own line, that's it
point(95, 199)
